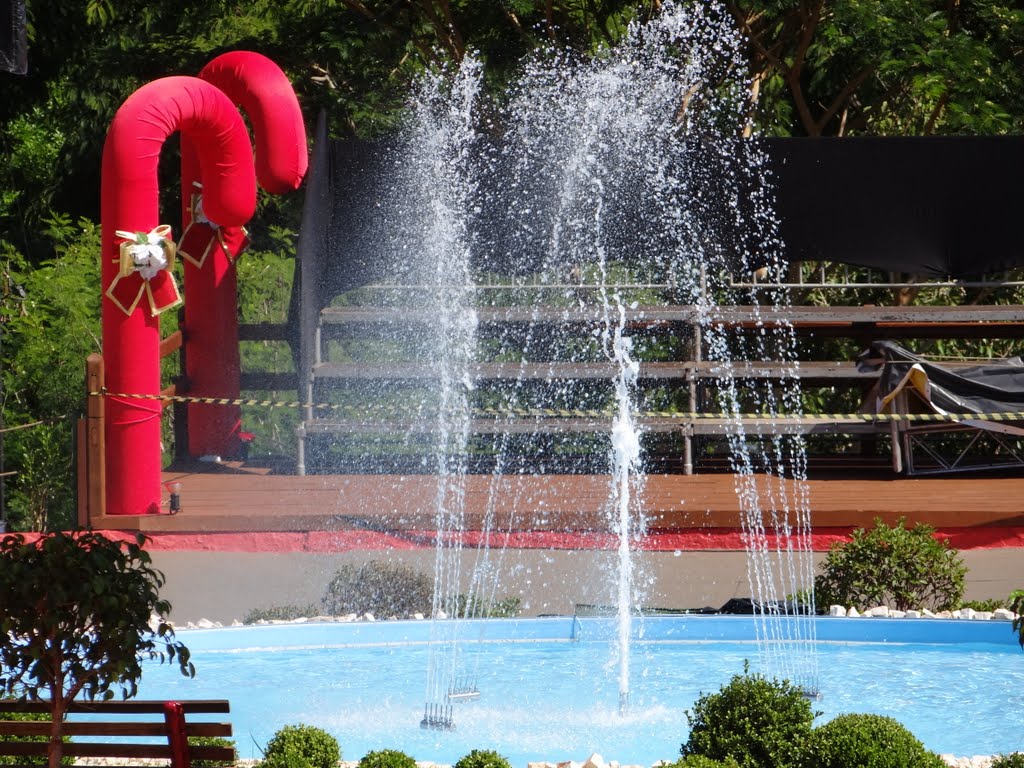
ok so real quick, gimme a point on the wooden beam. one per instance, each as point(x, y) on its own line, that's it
point(95, 446)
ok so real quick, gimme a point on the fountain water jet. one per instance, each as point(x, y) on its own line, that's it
point(622, 170)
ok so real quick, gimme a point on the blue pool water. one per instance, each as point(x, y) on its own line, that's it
point(958, 685)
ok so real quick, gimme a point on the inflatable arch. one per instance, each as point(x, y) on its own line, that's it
point(138, 252)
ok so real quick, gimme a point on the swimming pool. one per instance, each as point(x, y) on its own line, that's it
point(958, 685)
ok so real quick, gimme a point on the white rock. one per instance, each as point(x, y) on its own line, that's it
point(300, 620)
point(443, 615)
point(913, 613)
point(852, 612)
point(836, 610)
point(880, 611)
point(596, 760)
point(419, 617)
point(944, 615)
point(236, 623)
point(895, 614)
point(540, 765)
point(1003, 614)
point(982, 615)
point(965, 613)
point(349, 617)
point(927, 614)
point(369, 617)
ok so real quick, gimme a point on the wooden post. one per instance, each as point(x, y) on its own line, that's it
point(95, 448)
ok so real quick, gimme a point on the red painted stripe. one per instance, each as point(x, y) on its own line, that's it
point(694, 540)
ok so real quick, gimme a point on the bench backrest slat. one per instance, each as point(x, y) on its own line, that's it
point(131, 706)
point(42, 728)
point(125, 750)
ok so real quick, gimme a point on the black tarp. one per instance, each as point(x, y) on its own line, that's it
point(937, 206)
point(930, 206)
point(13, 37)
point(996, 387)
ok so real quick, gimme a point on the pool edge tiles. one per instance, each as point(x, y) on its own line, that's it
point(674, 628)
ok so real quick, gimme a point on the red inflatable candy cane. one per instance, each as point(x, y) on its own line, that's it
point(138, 252)
point(210, 246)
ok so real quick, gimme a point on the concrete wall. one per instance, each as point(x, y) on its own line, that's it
point(224, 586)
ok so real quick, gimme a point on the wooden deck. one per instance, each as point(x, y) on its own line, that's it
point(235, 498)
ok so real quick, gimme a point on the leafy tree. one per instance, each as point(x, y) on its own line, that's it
point(900, 567)
point(887, 67)
point(75, 619)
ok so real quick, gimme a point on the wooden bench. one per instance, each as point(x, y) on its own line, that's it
point(166, 735)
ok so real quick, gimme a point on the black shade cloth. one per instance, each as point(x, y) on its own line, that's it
point(931, 206)
point(996, 387)
point(937, 206)
point(13, 37)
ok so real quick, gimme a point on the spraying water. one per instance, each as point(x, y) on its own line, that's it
point(602, 185)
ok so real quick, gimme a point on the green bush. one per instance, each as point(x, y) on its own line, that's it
point(210, 741)
point(988, 605)
point(387, 758)
point(757, 722)
point(866, 741)
point(1016, 604)
point(302, 746)
point(699, 761)
point(899, 567)
point(280, 613)
point(482, 758)
point(506, 608)
point(383, 589)
point(1012, 760)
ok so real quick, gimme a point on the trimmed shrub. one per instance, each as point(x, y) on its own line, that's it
point(757, 722)
point(482, 758)
point(1016, 604)
point(383, 589)
point(899, 567)
point(699, 761)
point(387, 758)
point(295, 746)
point(1012, 760)
point(866, 741)
point(280, 613)
point(210, 741)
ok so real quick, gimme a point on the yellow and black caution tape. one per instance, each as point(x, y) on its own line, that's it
point(566, 413)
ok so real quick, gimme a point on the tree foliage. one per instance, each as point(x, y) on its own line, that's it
point(75, 619)
point(884, 67)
